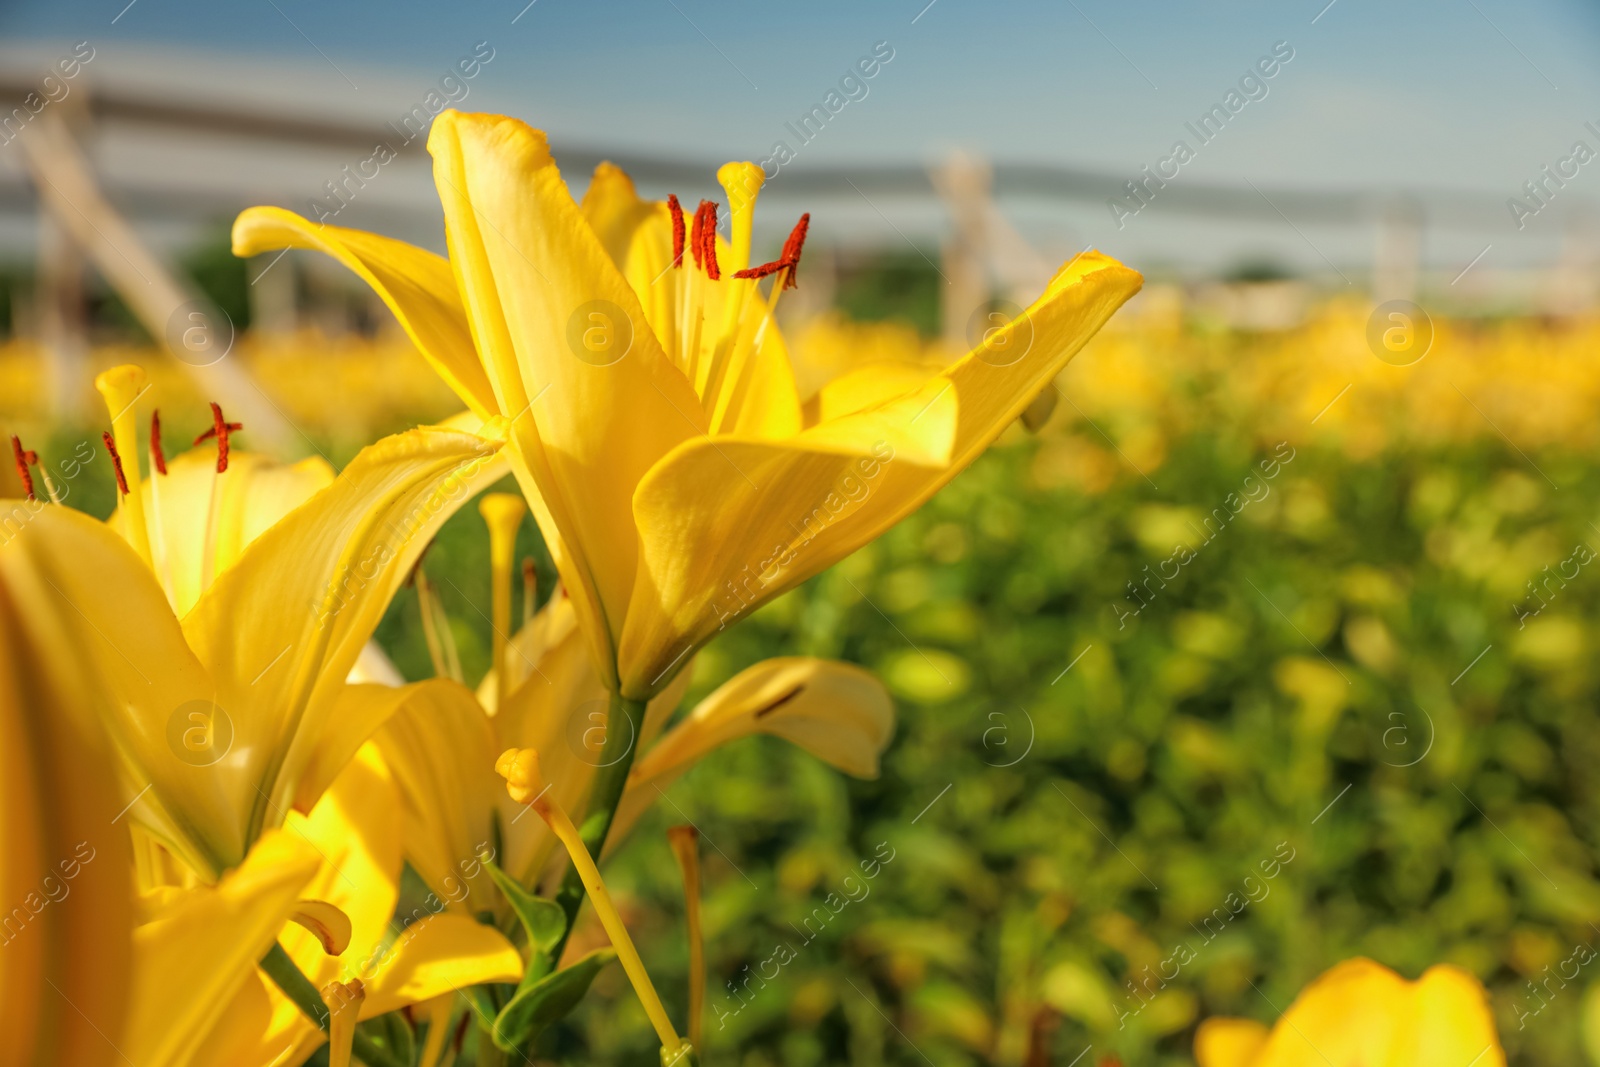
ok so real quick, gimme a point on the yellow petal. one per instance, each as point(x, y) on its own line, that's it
point(437, 955)
point(358, 712)
point(355, 832)
point(416, 284)
point(725, 525)
point(1450, 1023)
point(1351, 1014)
point(1228, 1042)
point(441, 749)
point(838, 712)
point(196, 957)
point(152, 695)
point(534, 279)
point(253, 495)
point(281, 629)
point(64, 968)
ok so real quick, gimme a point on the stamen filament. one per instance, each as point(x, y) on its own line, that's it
point(502, 512)
point(344, 1009)
point(520, 768)
point(685, 841)
point(122, 387)
point(439, 1009)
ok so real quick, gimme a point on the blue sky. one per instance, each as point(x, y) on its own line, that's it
point(1463, 94)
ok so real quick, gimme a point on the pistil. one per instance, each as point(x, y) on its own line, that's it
point(520, 768)
point(502, 512)
point(343, 1000)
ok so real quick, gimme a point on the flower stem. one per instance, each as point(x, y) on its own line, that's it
point(287, 976)
point(616, 760)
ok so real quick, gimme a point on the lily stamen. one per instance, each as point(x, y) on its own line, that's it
point(676, 210)
point(158, 458)
point(220, 429)
point(685, 841)
point(24, 458)
point(116, 461)
point(530, 589)
point(520, 768)
point(343, 1000)
point(121, 387)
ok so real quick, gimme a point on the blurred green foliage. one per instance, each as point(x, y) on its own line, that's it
point(1295, 703)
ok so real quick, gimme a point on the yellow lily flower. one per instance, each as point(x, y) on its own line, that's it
point(85, 977)
point(355, 830)
point(442, 739)
point(655, 426)
point(1360, 1012)
point(226, 717)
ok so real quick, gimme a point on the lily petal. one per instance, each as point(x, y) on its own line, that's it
point(254, 494)
point(1362, 1012)
point(65, 973)
point(206, 945)
point(533, 275)
point(153, 696)
point(725, 525)
point(441, 747)
point(1224, 1042)
point(280, 630)
point(416, 284)
point(838, 712)
point(437, 955)
point(355, 833)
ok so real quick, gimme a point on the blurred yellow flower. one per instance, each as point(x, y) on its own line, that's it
point(1360, 1012)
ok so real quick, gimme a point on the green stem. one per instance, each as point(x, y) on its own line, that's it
point(616, 760)
point(288, 977)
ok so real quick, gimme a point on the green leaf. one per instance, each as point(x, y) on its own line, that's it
point(542, 919)
point(547, 1002)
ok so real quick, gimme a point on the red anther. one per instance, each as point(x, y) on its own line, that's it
point(696, 244)
point(677, 229)
point(116, 462)
point(157, 457)
point(762, 271)
point(709, 237)
point(790, 257)
point(23, 459)
point(220, 429)
point(792, 249)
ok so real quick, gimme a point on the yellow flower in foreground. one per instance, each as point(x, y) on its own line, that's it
point(655, 424)
point(218, 663)
point(1361, 1014)
point(356, 830)
point(65, 867)
point(442, 744)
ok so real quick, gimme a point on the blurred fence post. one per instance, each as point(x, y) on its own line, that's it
point(196, 333)
point(963, 184)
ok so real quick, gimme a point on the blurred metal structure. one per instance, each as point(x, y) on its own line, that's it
point(76, 216)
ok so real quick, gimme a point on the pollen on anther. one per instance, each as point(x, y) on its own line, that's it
point(116, 462)
point(697, 246)
point(676, 210)
point(158, 458)
point(24, 457)
point(793, 247)
point(220, 429)
point(708, 238)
